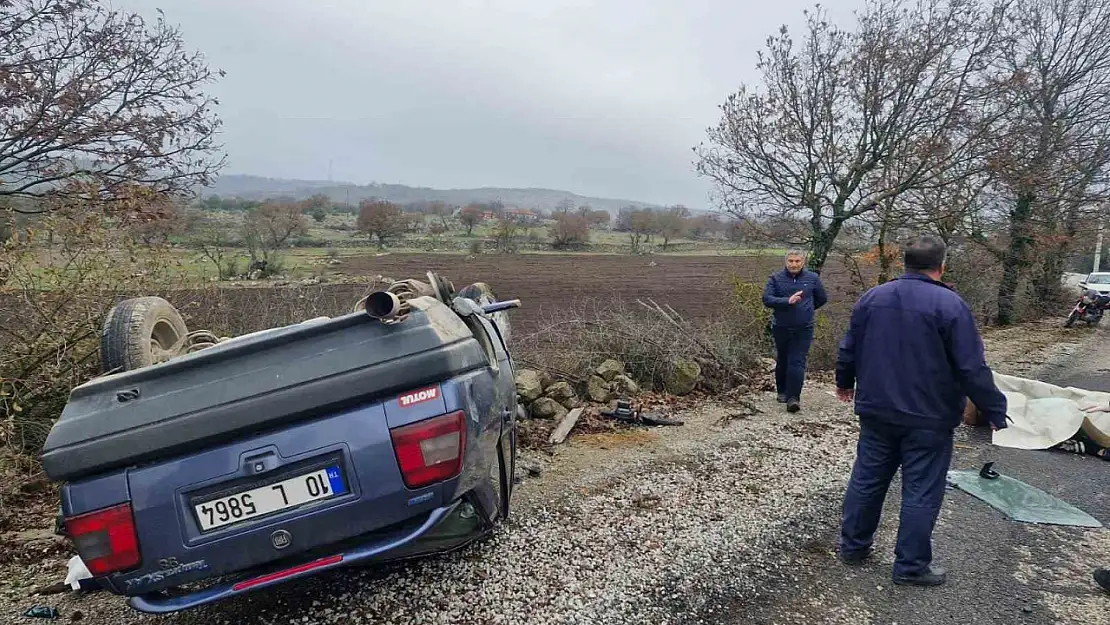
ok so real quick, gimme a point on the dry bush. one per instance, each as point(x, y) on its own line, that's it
point(235, 311)
point(579, 337)
point(53, 300)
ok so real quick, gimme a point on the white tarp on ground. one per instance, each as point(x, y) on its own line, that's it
point(1044, 414)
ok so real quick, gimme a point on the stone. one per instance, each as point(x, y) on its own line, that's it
point(768, 364)
point(610, 369)
point(547, 408)
point(625, 385)
point(683, 377)
point(599, 389)
point(563, 393)
point(529, 385)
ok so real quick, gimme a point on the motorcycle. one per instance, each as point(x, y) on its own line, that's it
point(1089, 308)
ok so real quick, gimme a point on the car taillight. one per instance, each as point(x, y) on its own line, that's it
point(106, 539)
point(430, 451)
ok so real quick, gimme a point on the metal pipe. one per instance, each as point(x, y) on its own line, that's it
point(496, 306)
point(383, 305)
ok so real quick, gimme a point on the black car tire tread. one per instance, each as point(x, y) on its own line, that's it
point(129, 328)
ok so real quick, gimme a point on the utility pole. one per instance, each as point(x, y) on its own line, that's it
point(1098, 248)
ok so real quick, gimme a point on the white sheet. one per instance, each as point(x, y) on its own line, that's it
point(1044, 414)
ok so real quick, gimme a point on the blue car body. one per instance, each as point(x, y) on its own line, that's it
point(250, 427)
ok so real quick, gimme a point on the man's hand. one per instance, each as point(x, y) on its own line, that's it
point(846, 395)
point(797, 297)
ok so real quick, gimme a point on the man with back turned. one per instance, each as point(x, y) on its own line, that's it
point(910, 358)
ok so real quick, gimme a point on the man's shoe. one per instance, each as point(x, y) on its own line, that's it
point(781, 399)
point(858, 557)
point(793, 405)
point(933, 576)
point(1102, 578)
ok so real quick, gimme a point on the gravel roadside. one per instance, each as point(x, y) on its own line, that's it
point(722, 518)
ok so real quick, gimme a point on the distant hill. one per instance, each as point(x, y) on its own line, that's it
point(259, 188)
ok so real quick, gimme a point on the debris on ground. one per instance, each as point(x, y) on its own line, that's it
point(42, 611)
point(624, 413)
point(1018, 500)
point(563, 429)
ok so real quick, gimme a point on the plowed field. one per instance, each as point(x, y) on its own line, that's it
point(696, 286)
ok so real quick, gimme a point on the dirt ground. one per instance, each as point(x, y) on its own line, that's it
point(696, 286)
point(711, 473)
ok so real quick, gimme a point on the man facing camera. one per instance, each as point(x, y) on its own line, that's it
point(794, 294)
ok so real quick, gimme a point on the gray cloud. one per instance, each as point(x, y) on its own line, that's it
point(597, 97)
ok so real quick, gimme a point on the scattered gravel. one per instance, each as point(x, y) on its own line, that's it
point(670, 525)
point(700, 523)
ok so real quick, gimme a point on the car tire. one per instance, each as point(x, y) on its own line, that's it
point(140, 332)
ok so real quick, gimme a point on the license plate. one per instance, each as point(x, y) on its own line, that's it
point(314, 486)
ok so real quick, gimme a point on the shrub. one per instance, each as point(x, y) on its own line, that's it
point(579, 337)
point(52, 303)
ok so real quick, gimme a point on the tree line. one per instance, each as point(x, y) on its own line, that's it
point(986, 122)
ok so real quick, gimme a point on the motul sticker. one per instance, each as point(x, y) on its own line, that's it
point(419, 397)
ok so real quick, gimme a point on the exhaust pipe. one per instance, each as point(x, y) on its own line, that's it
point(384, 306)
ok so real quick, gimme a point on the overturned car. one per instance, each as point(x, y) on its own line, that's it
point(199, 468)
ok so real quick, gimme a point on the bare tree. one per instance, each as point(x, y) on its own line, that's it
point(599, 218)
point(217, 243)
point(671, 223)
point(381, 219)
point(816, 141)
point(469, 217)
point(564, 206)
point(569, 230)
point(268, 228)
point(441, 211)
point(1053, 145)
point(505, 233)
point(99, 95)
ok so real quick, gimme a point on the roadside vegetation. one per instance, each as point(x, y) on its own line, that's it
point(984, 121)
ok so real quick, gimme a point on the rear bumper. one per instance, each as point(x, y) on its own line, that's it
point(403, 543)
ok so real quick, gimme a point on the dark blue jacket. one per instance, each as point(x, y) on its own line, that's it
point(781, 285)
point(913, 354)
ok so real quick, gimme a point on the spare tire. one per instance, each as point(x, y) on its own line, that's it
point(482, 293)
point(140, 332)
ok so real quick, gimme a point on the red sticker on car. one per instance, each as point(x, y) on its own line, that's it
point(419, 397)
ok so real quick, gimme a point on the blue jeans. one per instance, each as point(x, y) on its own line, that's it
point(924, 456)
point(792, 346)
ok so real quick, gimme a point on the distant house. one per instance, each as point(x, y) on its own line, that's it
point(523, 215)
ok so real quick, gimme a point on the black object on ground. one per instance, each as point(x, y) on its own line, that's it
point(41, 611)
point(625, 413)
point(987, 472)
point(1102, 578)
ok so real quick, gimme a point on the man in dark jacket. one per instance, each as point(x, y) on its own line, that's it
point(795, 294)
point(910, 358)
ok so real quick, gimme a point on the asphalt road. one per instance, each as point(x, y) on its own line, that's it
point(1000, 571)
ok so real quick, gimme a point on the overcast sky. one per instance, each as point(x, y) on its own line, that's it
point(598, 97)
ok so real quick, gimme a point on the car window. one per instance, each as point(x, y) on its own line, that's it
point(1099, 278)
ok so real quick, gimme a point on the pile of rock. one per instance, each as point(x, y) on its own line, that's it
point(609, 381)
point(545, 398)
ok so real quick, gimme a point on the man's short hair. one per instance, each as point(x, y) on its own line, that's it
point(925, 253)
point(790, 253)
